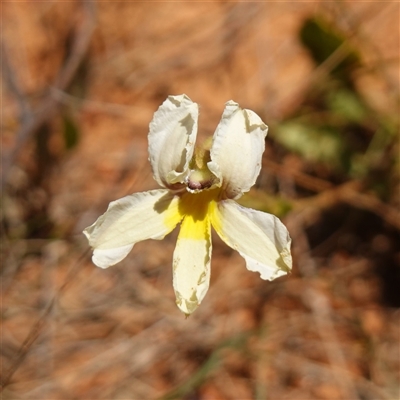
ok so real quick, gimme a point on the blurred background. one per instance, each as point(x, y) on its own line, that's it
point(80, 83)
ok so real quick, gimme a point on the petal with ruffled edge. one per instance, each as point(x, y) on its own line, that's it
point(260, 238)
point(192, 257)
point(140, 216)
point(237, 149)
point(172, 137)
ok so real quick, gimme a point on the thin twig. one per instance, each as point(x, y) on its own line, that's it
point(304, 180)
point(38, 326)
point(14, 86)
point(322, 314)
point(350, 193)
point(49, 105)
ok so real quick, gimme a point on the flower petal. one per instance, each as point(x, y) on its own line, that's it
point(172, 137)
point(260, 238)
point(140, 216)
point(103, 258)
point(191, 265)
point(237, 148)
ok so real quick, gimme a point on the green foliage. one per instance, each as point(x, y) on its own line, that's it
point(322, 39)
point(313, 143)
point(262, 201)
point(346, 104)
point(213, 363)
point(334, 126)
point(71, 132)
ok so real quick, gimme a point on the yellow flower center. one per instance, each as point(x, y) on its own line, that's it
point(196, 208)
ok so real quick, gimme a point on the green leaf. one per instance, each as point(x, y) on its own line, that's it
point(259, 200)
point(71, 132)
point(313, 143)
point(322, 39)
point(347, 105)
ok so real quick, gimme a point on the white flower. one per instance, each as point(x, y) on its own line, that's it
point(198, 189)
